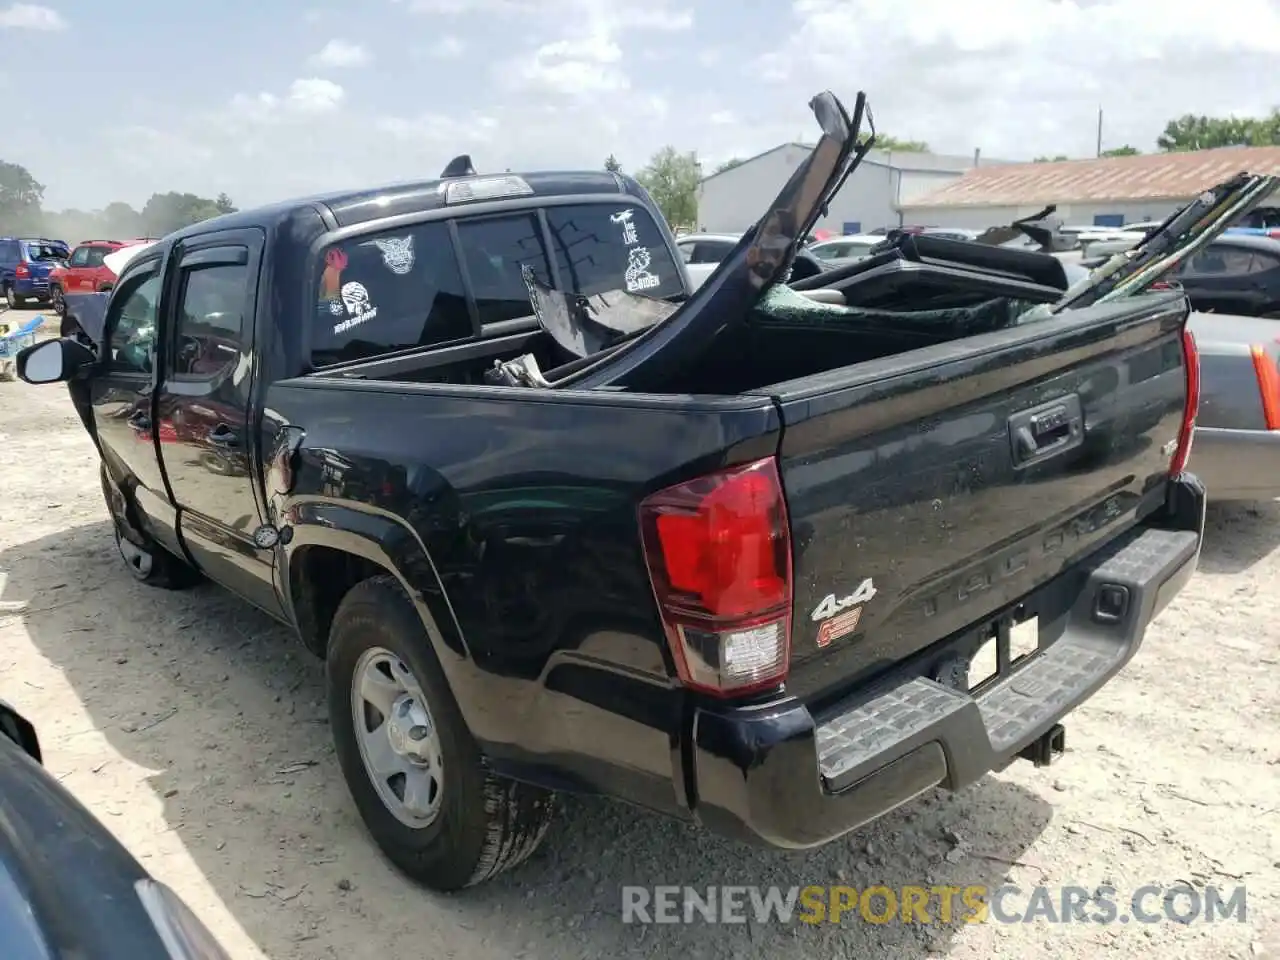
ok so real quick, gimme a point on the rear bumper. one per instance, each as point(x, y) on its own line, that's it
point(1237, 464)
point(775, 774)
point(31, 288)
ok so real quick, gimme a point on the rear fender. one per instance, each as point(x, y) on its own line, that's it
point(385, 541)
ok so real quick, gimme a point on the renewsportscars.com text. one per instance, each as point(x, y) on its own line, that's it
point(1180, 903)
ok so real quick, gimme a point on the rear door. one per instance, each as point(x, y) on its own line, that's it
point(930, 490)
point(203, 407)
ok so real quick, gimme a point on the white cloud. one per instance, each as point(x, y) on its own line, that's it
point(306, 97)
point(454, 7)
point(572, 68)
point(572, 81)
point(1028, 76)
point(341, 53)
point(27, 16)
point(447, 47)
point(314, 95)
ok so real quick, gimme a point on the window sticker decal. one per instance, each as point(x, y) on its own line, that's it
point(638, 276)
point(335, 261)
point(358, 306)
point(397, 253)
point(627, 221)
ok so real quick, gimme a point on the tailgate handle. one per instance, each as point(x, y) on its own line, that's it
point(1046, 431)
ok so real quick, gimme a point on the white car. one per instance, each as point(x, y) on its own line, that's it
point(703, 252)
point(854, 246)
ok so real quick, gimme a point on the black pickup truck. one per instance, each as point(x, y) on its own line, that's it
point(555, 523)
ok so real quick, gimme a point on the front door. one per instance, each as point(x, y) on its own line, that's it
point(121, 394)
point(204, 404)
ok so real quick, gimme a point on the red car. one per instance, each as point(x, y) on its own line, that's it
point(85, 272)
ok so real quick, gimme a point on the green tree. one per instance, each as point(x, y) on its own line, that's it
point(1058, 158)
point(20, 198)
point(671, 178)
point(612, 165)
point(224, 205)
point(166, 212)
point(1198, 132)
point(728, 165)
point(120, 221)
point(894, 145)
point(1125, 151)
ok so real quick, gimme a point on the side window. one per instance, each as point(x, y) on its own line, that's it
point(1263, 263)
point(80, 258)
point(93, 257)
point(711, 251)
point(1238, 262)
point(131, 318)
point(496, 249)
point(686, 251)
point(1207, 263)
point(208, 331)
point(385, 292)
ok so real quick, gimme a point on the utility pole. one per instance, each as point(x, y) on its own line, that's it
point(1099, 153)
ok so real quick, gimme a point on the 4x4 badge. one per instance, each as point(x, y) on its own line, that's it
point(830, 605)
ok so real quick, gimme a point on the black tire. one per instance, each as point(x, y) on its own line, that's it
point(147, 561)
point(11, 298)
point(485, 824)
point(57, 300)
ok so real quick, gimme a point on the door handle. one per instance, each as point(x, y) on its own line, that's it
point(224, 436)
point(1046, 431)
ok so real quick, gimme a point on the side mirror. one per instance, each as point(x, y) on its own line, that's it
point(54, 361)
point(19, 729)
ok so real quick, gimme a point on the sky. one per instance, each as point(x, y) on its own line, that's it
point(270, 99)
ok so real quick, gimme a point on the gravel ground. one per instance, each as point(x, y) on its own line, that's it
point(194, 728)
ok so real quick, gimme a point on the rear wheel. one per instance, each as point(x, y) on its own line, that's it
point(416, 775)
point(11, 298)
point(57, 300)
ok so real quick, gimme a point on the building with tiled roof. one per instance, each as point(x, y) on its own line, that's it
point(1108, 191)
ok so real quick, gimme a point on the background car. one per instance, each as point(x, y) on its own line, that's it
point(845, 248)
point(68, 888)
point(703, 252)
point(25, 264)
point(1236, 449)
point(1236, 274)
point(85, 270)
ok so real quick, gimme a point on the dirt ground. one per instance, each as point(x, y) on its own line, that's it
point(194, 728)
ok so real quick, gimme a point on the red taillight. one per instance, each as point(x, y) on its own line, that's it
point(22, 270)
point(1264, 367)
point(1191, 360)
point(718, 550)
point(1274, 234)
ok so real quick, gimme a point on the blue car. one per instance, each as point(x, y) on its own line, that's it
point(25, 263)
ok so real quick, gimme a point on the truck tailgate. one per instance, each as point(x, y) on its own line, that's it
point(931, 490)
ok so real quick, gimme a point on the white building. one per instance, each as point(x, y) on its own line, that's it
point(731, 201)
point(1109, 191)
